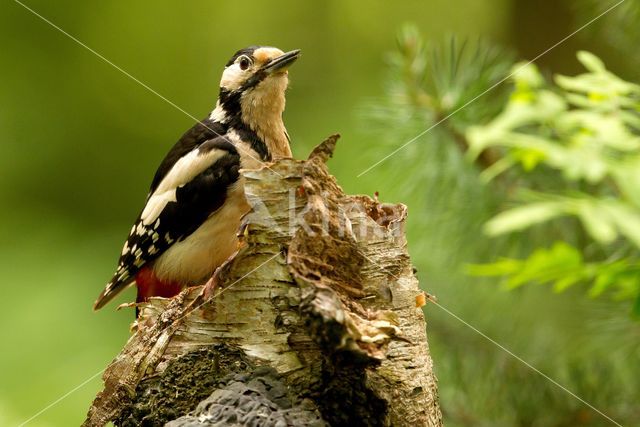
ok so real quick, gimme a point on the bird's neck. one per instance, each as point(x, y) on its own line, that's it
point(261, 113)
point(261, 109)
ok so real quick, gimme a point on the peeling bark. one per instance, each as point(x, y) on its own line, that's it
point(321, 294)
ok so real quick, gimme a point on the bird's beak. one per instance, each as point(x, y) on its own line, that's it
point(282, 62)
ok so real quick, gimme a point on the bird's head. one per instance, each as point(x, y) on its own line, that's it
point(255, 68)
point(254, 82)
point(252, 91)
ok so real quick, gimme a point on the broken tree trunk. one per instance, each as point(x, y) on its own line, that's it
point(315, 321)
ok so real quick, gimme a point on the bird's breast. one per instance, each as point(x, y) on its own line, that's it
point(194, 259)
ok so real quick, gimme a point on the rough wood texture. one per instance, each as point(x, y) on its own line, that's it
point(322, 292)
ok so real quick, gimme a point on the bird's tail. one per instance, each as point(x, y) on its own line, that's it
point(113, 288)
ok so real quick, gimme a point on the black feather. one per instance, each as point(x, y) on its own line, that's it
point(201, 132)
point(195, 202)
point(246, 51)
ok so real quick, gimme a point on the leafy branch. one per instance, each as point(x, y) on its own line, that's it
point(586, 128)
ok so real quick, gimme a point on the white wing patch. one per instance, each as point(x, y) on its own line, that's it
point(218, 114)
point(183, 171)
point(155, 205)
point(140, 229)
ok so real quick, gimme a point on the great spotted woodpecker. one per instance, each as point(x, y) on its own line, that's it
point(188, 226)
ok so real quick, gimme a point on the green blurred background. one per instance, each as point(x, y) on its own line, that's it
point(79, 142)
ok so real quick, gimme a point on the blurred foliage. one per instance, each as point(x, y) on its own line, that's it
point(564, 266)
point(441, 91)
point(441, 78)
point(427, 83)
point(586, 128)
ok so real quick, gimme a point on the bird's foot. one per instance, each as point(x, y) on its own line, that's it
point(209, 289)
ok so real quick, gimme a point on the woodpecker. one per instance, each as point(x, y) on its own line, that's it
point(188, 226)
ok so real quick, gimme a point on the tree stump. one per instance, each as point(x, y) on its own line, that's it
point(315, 321)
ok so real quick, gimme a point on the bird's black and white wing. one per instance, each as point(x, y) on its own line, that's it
point(190, 185)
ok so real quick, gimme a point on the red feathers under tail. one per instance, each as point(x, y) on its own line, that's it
point(150, 286)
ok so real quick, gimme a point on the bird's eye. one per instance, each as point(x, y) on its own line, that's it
point(244, 63)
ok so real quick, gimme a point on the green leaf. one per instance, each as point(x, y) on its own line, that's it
point(591, 62)
point(597, 222)
point(502, 267)
point(563, 266)
point(542, 265)
point(626, 287)
point(497, 168)
point(601, 284)
point(564, 283)
point(531, 158)
point(526, 76)
point(627, 220)
point(627, 179)
point(523, 217)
